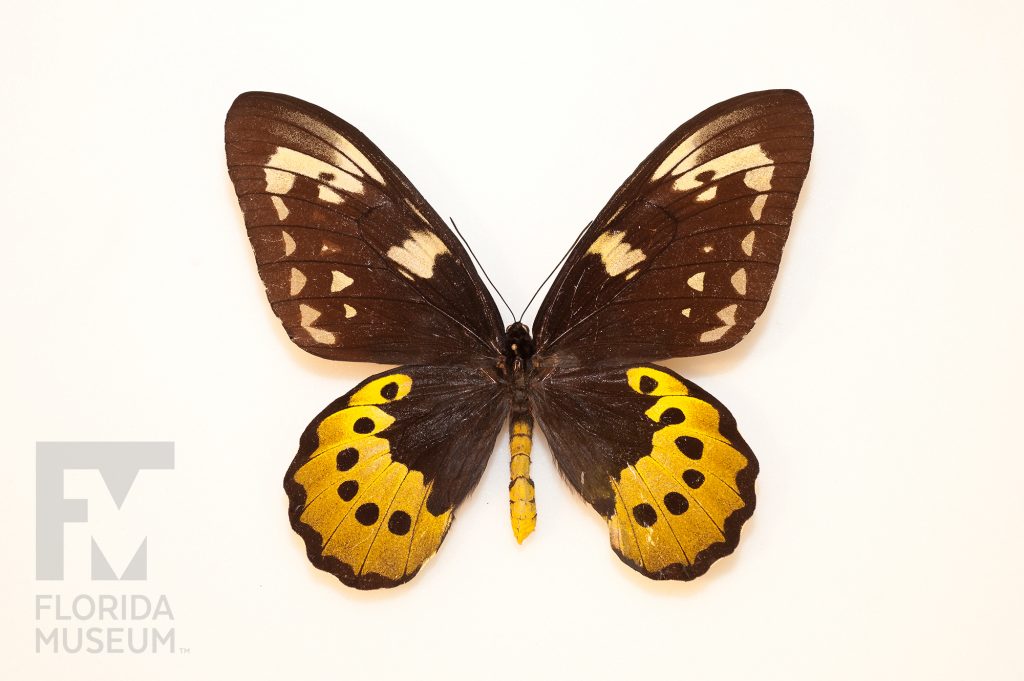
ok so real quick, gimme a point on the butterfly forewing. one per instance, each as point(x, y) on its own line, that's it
point(682, 259)
point(357, 265)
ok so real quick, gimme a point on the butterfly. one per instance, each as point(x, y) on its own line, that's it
point(359, 267)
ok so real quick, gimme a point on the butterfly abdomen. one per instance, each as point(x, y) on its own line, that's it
point(522, 502)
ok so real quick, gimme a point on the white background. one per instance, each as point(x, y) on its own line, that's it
point(880, 391)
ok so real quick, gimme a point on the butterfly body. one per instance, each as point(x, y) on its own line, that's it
point(517, 372)
point(359, 267)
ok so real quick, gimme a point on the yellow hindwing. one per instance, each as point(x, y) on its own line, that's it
point(369, 511)
point(676, 502)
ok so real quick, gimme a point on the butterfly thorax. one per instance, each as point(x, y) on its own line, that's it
point(516, 364)
point(519, 346)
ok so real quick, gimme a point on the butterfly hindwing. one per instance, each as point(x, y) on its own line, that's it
point(658, 457)
point(380, 471)
point(683, 257)
point(357, 265)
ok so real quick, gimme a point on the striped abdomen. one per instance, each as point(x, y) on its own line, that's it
point(522, 503)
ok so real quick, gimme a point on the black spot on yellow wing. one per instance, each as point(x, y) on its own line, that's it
point(676, 503)
point(348, 490)
point(390, 390)
point(363, 515)
point(691, 447)
point(680, 506)
point(399, 523)
point(347, 458)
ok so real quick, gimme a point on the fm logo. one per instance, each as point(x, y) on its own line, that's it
point(118, 463)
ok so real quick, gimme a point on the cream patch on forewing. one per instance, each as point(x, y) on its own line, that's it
point(330, 247)
point(297, 282)
point(345, 149)
point(733, 162)
point(759, 179)
point(418, 253)
point(308, 315)
point(289, 243)
point(757, 206)
point(616, 213)
point(278, 181)
point(350, 150)
point(687, 311)
point(692, 143)
point(329, 195)
point(616, 255)
point(708, 249)
point(748, 243)
point(728, 317)
point(696, 282)
point(417, 211)
point(349, 311)
point(707, 194)
point(298, 163)
point(739, 281)
point(282, 210)
point(340, 281)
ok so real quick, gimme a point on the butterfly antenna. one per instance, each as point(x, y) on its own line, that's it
point(481, 267)
point(554, 269)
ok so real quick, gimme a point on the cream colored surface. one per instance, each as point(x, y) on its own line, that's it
point(289, 243)
point(681, 158)
point(880, 389)
point(279, 207)
point(739, 281)
point(416, 210)
point(278, 181)
point(293, 162)
point(617, 255)
point(340, 281)
point(347, 156)
point(418, 253)
point(722, 166)
point(708, 194)
point(757, 206)
point(727, 315)
point(760, 179)
point(297, 281)
point(748, 243)
point(308, 317)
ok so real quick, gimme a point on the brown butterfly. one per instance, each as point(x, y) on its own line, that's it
point(359, 267)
